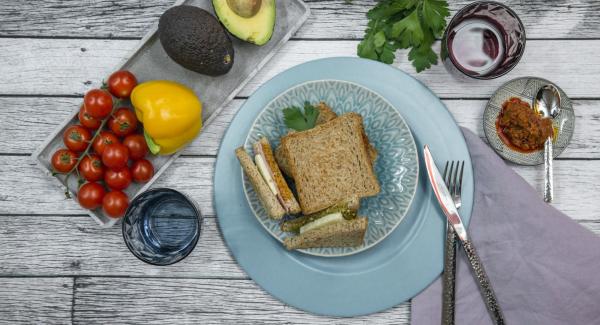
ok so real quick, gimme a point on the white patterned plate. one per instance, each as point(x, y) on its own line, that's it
point(396, 166)
point(525, 89)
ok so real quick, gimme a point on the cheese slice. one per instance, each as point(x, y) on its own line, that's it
point(322, 222)
point(261, 163)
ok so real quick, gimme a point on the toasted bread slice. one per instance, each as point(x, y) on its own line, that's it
point(330, 163)
point(326, 114)
point(347, 233)
point(286, 197)
point(282, 161)
point(269, 201)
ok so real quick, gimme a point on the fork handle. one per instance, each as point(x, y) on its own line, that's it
point(449, 277)
point(485, 287)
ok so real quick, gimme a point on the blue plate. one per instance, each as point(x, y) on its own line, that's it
point(396, 167)
point(393, 271)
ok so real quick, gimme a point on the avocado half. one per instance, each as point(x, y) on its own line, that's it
point(194, 39)
point(249, 20)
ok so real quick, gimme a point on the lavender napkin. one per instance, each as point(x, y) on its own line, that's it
point(544, 267)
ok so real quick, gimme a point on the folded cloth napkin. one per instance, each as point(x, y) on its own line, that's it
point(543, 266)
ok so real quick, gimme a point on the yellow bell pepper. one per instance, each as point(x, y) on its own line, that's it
point(170, 112)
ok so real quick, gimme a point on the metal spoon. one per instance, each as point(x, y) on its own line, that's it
point(547, 104)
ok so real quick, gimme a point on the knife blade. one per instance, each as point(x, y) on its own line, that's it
point(443, 195)
point(447, 204)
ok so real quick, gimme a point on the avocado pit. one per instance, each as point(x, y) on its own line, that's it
point(245, 8)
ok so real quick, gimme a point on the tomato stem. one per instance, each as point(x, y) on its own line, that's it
point(86, 152)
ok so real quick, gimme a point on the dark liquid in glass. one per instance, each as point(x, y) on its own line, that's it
point(476, 46)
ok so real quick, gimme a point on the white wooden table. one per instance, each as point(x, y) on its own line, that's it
point(57, 266)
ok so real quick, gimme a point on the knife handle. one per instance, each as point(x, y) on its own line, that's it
point(483, 281)
point(449, 277)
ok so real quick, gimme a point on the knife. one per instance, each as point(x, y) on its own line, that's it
point(447, 204)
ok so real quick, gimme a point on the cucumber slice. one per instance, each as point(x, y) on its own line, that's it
point(322, 222)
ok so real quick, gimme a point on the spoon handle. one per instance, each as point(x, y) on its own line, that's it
point(548, 182)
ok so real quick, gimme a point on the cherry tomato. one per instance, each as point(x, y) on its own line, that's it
point(142, 171)
point(121, 83)
point(87, 120)
point(63, 160)
point(123, 122)
point(102, 140)
point(115, 156)
point(137, 146)
point(91, 168)
point(118, 179)
point(77, 138)
point(115, 204)
point(90, 195)
point(98, 103)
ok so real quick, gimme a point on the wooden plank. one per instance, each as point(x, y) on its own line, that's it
point(198, 301)
point(73, 66)
point(75, 246)
point(24, 128)
point(35, 300)
point(329, 18)
point(25, 190)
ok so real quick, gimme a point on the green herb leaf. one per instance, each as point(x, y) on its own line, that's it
point(404, 24)
point(422, 57)
point(297, 120)
point(434, 14)
point(409, 28)
point(379, 39)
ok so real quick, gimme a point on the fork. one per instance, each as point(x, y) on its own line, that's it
point(453, 176)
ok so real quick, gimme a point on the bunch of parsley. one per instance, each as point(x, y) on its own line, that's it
point(403, 24)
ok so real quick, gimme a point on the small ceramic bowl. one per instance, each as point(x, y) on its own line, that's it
point(525, 89)
point(161, 226)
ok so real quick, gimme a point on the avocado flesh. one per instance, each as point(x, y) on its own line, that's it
point(257, 29)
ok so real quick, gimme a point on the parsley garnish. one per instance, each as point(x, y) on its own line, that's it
point(295, 119)
point(403, 24)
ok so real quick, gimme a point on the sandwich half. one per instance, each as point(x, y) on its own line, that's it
point(326, 114)
point(267, 180)
point(330, 163)
point(341, 233)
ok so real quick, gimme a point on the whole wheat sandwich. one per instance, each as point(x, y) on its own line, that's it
point(330, 163)
point(326, 114)
point(267, 180)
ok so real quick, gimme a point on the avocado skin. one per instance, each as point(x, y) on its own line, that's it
point(193, 38)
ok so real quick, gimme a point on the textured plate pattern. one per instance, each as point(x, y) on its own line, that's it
point(526, 88)
point(396, 166)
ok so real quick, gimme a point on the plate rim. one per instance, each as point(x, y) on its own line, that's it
point(413, 189)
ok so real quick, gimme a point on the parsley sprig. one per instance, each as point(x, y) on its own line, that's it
point(295, 119)
point(403, 24)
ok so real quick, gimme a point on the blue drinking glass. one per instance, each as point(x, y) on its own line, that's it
point(161, 226)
